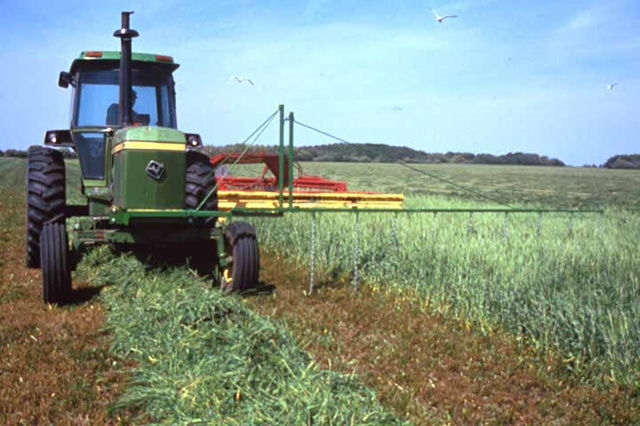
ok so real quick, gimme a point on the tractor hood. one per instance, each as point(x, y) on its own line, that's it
point(149, 168)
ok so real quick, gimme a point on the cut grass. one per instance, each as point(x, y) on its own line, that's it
point(203, 357)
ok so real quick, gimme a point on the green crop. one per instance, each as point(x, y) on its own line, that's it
point(205, 358)
point(563, 283)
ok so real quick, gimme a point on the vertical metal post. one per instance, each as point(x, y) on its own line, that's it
point(312, 261)
point(281, 159)
point(291, 160)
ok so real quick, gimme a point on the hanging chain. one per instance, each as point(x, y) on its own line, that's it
point(356, 253)
point(506, 226)
point(394, 232)
point(601, 225)
point(435, 225)
point(539, 224)
point(570, 224)
point(312, 262)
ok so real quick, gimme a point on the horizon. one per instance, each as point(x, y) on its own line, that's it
point(500, 77)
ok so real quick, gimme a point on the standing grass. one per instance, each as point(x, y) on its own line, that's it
point(564, 285)
point(430, 367)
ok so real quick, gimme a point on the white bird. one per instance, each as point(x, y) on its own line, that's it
point(442, 18)
point(242, 80)
point(611, 86)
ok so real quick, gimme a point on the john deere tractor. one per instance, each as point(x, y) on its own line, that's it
point(147, 184)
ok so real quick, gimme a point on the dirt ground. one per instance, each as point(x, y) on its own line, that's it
point(55, 366)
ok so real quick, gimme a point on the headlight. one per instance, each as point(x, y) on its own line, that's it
point(193, 140)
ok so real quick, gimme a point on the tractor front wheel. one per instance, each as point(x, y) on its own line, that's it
point(244, 272)
point(55, 263)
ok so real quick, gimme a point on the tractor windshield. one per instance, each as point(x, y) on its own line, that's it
point(98, 93)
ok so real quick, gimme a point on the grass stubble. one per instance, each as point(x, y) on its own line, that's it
point(55, 363)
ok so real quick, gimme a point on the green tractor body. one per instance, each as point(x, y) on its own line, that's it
point(148, 168)
point(146, 183)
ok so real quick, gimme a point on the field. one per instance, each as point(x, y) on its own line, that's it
point(447, 319)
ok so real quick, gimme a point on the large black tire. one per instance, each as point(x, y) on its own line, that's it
point(46, 197)
point(200, 181)
point(244, 271)
point(56, 264)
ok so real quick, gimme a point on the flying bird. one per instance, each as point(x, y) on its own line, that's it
point(611, 86)
point(242, 80)
point(442, 18)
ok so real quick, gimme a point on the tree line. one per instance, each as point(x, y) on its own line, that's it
point(381, 153)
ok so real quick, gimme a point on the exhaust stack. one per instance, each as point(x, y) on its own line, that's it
point(125, 34)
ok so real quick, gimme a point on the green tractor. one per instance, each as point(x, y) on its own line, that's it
point(148, 186)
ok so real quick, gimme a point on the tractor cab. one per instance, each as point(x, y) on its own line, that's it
point(95, 111)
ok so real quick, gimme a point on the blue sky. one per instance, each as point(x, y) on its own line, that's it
point(504, 76)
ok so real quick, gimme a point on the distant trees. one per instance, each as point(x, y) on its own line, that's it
point(623, 162)
point(15, 153)
point(20, 153)
point(380, 153)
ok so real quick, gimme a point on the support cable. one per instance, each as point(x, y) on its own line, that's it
point(415, 169)
point(257, 132)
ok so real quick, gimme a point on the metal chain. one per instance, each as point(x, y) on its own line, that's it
point(506, 226)
point(435, 224)
point(601, 225)
point(395, 232)
point(539, 224)
point(570, 225)
point(356, 253)
point(312, 262)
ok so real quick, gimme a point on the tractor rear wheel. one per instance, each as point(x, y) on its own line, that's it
point(244, 272)
point(56, 263)
point(200, 181)
point(46, 196)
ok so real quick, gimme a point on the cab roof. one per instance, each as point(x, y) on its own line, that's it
point(114, 56)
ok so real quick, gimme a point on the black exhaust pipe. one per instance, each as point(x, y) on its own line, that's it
point(125, 34)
